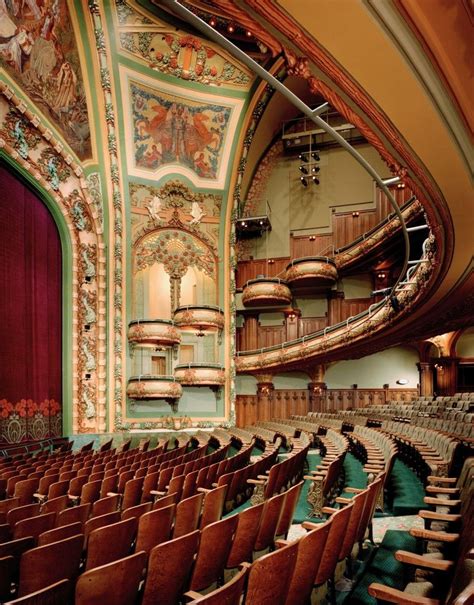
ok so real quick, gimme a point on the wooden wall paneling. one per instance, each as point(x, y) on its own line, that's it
point(308, 325)
point(347, 228)
point(301, 245)
point(245, 410)
point(354, 306)
point(270, 335)
point(249, 269)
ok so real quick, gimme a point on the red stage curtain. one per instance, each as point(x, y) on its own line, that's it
point(30, 315)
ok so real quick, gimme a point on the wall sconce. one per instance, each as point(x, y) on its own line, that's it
point(355, 214)
point(402, 381)
point(231, 28)
point(381, 276)
point(213, 22)
point(312, 238)
point(271, 261)
point(439, 367)
point(291, 315)
point(265, 390)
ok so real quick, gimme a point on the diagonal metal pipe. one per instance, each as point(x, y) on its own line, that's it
point(312, 114)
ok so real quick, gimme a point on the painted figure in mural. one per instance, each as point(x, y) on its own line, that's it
point(36, 48)
point(202, 167)
point(179, 132)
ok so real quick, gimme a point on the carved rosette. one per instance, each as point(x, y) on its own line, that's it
point(157, 333)
point(154, 387)
point(202, 318)
point(266, 292)
point(311, 272)
point(200, 375)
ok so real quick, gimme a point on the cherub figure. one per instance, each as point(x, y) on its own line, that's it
point(154, 207)
point(197, 213)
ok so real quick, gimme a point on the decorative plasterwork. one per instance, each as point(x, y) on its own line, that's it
point(116, 259)
point(31, 144)
point(175, 205)
point(176, 251)
point(170, 128)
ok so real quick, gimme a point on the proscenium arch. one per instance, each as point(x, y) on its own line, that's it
point(66, 288)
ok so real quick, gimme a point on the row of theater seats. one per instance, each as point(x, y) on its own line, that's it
point(446, 541)
point(129, 512)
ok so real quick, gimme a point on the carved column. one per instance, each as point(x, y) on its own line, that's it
point(425, 369)
point(317, 388)
point(249, 338)
point(265, 388)
point(446, 375)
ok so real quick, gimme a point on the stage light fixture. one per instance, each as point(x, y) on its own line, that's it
point(303, 169)
point(303, 157)
point(315, 169)
point(315, 156)
point(248, 33)
point(304, 182)
point(315, 180)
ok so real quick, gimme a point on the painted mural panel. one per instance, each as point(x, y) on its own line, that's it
point(167, 129)
point(38, 49)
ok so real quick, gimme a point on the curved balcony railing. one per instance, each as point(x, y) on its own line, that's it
point(266, 292)
point(200, 374)
point(157, 333)
point(377, 317)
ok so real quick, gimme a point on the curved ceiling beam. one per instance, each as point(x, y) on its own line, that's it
point(312, 114)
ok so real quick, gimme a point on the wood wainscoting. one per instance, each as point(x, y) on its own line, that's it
point(283, 403)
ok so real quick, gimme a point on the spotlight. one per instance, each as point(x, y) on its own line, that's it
point(213, 22)
point(315, 180)
point(231, 28)
point(248, 33)
point(304, 182)
point(303, 169)
point(315, 156)
point(315, 169)
point(303, 157)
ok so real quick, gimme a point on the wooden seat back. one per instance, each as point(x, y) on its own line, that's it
point(154, 528)
point(34, 526)
point(213, 506)
point(115, 583)
point(187, 515)
point(270, 576)
point(291, 500)
point(269, 522)
point(310, 551)
point(45, 565)
point(106, 505)
point(110, 542)
point(246, 533)
point(136, 511)
point(169, 567)
point(73, 515)
point(101, 521)
point(22, 512)
point(214, 548)
point(59, 533)
point(328, 562)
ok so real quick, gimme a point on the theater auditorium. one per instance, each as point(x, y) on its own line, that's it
point(236, 302)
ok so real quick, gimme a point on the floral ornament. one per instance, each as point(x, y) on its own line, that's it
point(26, 407)
point(19, 133)
point(6, 408)
point(49, 407)
point(53, 167)
point(176, 251)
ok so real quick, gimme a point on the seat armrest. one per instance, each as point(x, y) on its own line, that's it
point(342, 500)
point(329, 510)
point(309, 525)
point(435, 489)
point(353, 490)
point(282, 543)
point(436, 536)
point(441, 501)
point(404, 556)
point(435, 479)
point(433, 516)
point(392, 595)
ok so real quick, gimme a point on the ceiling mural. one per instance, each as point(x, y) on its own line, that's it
point(38, 49)
point(127, 14)
point(167, 128)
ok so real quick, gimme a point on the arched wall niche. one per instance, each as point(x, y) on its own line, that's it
point(172, 267)
point(45, 163)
